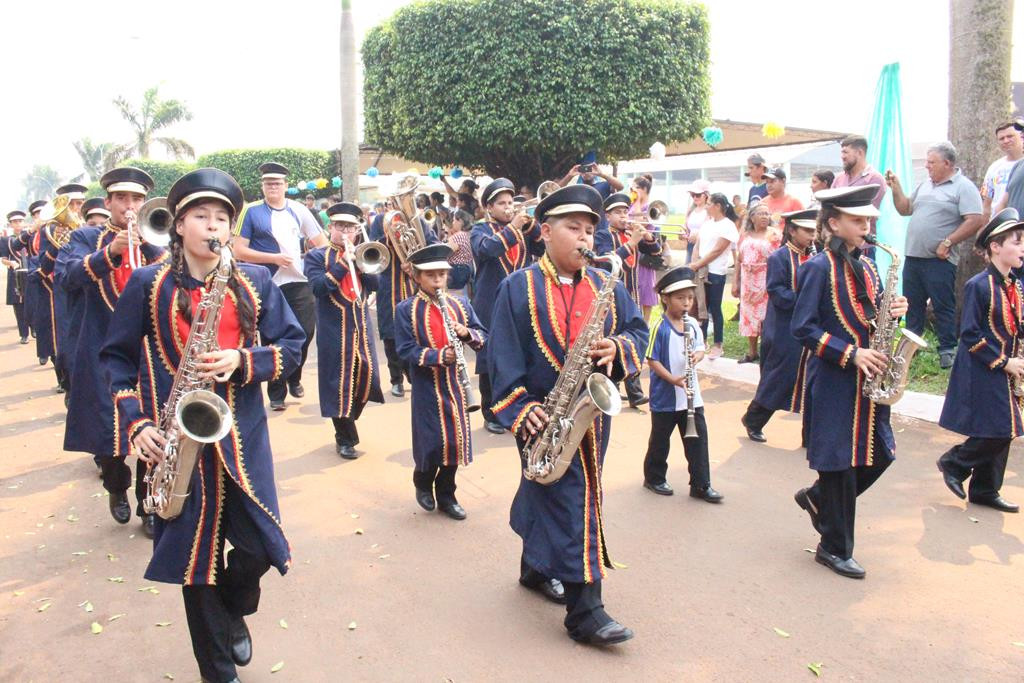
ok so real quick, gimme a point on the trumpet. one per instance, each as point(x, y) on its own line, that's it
point(155, 222)
point(530, 205)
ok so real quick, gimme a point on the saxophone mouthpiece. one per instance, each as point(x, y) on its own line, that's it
point(870, 239)
point(215, 245)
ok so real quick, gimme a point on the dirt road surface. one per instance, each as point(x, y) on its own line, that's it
point(382, 591)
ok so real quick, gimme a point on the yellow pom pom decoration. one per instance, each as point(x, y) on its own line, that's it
point(772, 130)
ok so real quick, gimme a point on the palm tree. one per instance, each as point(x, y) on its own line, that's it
point(154, 115)
point(99, 158)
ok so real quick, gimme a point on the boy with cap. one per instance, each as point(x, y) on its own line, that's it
point(12, 252)
point(271, 232)
point(850, 442)
point(783, 358)
point(613, 234)
point(233, 498)
point(441, 438)
point(538, 314)
point(672, 398)
point(985, 393)
point(96, 265)
point(501, 245)
point(346, 350)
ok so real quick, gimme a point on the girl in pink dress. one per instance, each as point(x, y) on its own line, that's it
point(641, 189)
point(758, 240)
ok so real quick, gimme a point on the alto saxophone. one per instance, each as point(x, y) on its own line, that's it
point(579, 394)
point(887, 387)
point(193, 415)
point(472, 402)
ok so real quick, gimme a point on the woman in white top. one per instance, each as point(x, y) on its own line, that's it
point(715, 241)
point(697, 214)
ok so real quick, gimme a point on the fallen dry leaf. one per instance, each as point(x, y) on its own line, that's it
point(72, 518)
point(1017, 643)
point(116, 579)
point(359, 532)
point(973, 519)
point(96, 628)
point(384, 556)
point(169, 677)
point(87, 606)
point(79, 553)
point(282, 623)
point(161, 624)
point(277, 667)
point(354, 516)
point(815, 668)
point(116, 617)
point(780, 632)
point(45, 606)
point(351, 626)
point(18, 594)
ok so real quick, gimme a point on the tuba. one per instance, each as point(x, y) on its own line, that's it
point(579, 394)
point(402, 225)
point(887, 388)
point(193, 415)
point(156, 222)
point(59, 220)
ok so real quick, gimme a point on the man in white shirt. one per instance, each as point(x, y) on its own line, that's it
point(270, 233)
point(1011, 141)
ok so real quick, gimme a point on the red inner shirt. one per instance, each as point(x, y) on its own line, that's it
point(624, 239)
point(512, 253)
point(436, 325)
point(1011, 295)
point(122, 273)
point(229, 334)
point(563, 298)
point(345, 282)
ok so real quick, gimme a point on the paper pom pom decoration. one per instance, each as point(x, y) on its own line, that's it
point(712, 136)
point(292, 191)
point(456, 173)
point(657, 151)
point(320, 183)
point(310, 185)
point(372, 172)
point(435, 172)
point(336, 182)
point(772, 130)
point(412, 170)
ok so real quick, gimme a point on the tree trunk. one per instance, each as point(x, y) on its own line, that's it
point(979, 94)
point(349, 140)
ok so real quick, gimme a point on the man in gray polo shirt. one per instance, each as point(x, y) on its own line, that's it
point(944, 211)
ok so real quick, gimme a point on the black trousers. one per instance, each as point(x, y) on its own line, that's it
point(345, 432)
point(983, 460)
point(485, 397)
point(441, 480)
point(696, 450)
point(22, 320)
point(835, 497)
point(757, 416)
point(396, 368)
point(300, 298)
point(211, 610)
point(117, 478)
point(634, 388)
point(584, 609)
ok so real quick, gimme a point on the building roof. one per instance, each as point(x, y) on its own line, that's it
point(744, 135)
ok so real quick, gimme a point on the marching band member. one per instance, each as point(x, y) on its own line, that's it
point(54, 318)
point(96, 266)
point(11, 253)
point(233, 496)
point(395, 286)
point(501, 245)
point(850, 442)
point(270, 232)
point(783, 359)
point(538, 313)
point(346, 351)
point(614, 234)
point(441, 438)
point(33, 286)
point(985, 386)
point(671, 397)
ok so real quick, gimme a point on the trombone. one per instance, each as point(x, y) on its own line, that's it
point(371, 257)
point(656, 215)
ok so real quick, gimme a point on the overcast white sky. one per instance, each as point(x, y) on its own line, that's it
point(255, 76)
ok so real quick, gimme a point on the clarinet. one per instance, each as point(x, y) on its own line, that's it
point(690, 375)
point(472, 402)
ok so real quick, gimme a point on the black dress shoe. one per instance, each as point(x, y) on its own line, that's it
point(277, 406)
point(642, 400)
point(494, 428)
point(753, 434)
point(611, 633)
point(453, 510)
point(42, 361)
point(706, 494)
point(149, 526)
point(241, 642)
point(296, 390)
point(997, 502)
point(347, 452)
point(662, 489)
point(953, 482)
point(552, 589)
point(803, 499)
point(59, 389)
point(120, 510)
point(23, 340)
point(425, 499)
point(397, 390)
point(848, 568)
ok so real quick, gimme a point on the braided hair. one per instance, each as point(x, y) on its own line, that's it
point(179, 271)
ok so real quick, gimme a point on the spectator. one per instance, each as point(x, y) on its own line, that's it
point(461, 259)
point(717, 237)
point(527, 192)
point(944, 210)
point(755, 171)
point(641, 188)
point(757, 242)
point(777, 201)
point(322, 213)
point(697, 213)
point(739, 206)
point(467, 186)
point(1010, 140)
point(822, 179)
point(588, 172)
point(853, 151)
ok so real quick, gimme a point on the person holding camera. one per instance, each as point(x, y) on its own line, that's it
point(588, 172)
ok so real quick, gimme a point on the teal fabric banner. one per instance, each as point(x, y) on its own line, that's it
point(889, 150)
